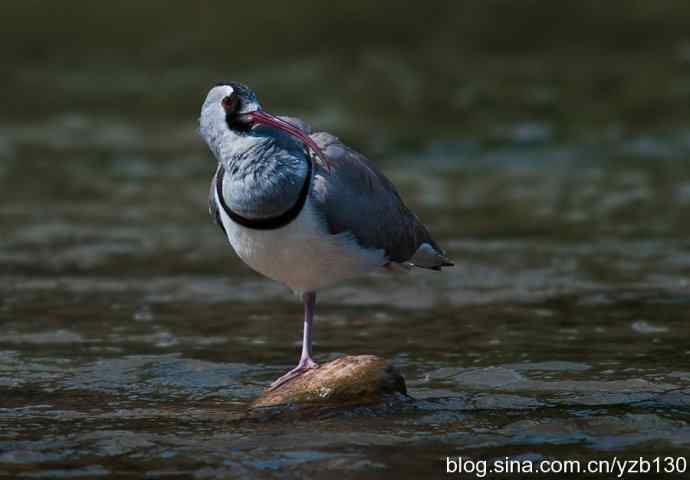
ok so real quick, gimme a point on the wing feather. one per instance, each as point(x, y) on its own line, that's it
point(357, 198)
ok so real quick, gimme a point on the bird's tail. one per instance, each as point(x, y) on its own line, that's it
point(431, 258)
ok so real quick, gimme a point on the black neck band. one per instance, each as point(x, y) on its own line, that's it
point(268, 223)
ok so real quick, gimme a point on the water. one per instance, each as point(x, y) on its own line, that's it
point(554, 172)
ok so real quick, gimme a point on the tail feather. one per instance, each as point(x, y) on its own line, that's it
point(431, 258)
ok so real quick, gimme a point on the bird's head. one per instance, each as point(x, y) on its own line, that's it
point(231, 106)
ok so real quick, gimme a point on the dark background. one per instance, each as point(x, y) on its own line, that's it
point(412, 71)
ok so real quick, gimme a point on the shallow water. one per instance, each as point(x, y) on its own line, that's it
point(133, 339)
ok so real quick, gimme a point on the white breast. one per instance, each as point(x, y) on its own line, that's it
point(302, 254)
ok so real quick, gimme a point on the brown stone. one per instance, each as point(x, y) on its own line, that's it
point(350, 380)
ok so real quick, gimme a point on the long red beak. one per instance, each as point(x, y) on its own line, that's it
point(259, 116)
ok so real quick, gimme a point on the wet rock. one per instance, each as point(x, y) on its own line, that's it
point(346, 381)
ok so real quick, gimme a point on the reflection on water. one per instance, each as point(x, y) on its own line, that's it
point(133, 340)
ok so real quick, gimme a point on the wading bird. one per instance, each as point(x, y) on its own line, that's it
point(301, 207)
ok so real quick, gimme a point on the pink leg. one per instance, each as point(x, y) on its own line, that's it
point(305, 361)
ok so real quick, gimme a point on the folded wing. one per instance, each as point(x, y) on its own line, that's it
point(356, 197)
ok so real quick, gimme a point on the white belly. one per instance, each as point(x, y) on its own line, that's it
point(302, 254)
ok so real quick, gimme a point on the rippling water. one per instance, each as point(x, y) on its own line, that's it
point(132, 339)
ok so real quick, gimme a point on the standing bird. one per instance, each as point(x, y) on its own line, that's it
point(301, 207)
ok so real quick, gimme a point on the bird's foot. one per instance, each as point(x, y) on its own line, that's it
point(303, 366)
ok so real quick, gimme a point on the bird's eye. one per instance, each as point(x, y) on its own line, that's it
point(230, 102)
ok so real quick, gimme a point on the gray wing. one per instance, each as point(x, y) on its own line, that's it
point(357, 198)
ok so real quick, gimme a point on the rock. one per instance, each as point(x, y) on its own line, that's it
point(346, 381)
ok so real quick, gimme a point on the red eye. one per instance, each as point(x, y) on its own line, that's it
point(229, 102)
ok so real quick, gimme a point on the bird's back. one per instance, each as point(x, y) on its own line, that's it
point(356, 197)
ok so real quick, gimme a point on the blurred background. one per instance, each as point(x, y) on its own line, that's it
point(544, 143)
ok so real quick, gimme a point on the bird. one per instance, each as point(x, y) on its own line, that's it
point(302, 208)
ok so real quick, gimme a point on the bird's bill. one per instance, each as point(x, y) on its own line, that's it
point(259, 116)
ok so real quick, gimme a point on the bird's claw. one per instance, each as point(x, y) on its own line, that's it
point(304, 366)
